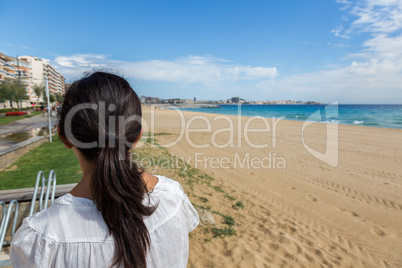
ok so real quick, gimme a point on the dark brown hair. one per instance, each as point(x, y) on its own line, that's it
point(117, 185)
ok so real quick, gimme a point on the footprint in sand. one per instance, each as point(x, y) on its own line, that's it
point(289, 187)
point(377, 231)
point(274, 246)
point(311, 198)
point(352, 213)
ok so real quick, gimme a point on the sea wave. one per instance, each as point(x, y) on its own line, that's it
point(300, 117)
point(332, 121)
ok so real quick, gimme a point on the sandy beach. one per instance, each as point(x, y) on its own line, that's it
point(300, 211)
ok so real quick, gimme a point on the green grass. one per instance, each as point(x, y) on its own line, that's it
point(239, 204)
point(218, 189)
point(223, 232)
point(201, 207)
point(203, 199)
point(231, 198)
point(22, 173)
point(226, 219)
point(9, 119)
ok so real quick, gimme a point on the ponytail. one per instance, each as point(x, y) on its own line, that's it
point(118, 191)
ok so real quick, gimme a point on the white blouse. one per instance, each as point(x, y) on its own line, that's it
point(72, 232)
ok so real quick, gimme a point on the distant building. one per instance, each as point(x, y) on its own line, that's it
point(195, 100)
point(173, 101)
point(7, 69)
point(149, 100)
point(155, 100)
point(17, 69)
point(24, 73)
point(235, 100)
point(30, 71)
point(66, 87)
point(41, 69)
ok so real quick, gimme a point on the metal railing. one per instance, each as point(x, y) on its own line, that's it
point(44, 198)
point(7, 210)
point(13, 206)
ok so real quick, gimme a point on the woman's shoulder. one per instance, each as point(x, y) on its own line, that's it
point(173, 206)
point(69, 226)
point(166, 186)
point(69, 219)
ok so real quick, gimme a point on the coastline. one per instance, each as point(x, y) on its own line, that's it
point(306, 213)
point(291, 121)
point(344, 114)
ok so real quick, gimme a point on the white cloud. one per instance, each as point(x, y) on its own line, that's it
point(381, 16)
point(346, 2)
point(374, 74)
point(188, 69)
point(337, 32)
point(382, 19)
point(383, 47)
point(373, 81)
point(80, 60)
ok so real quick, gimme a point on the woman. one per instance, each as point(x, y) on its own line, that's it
point(117, 215)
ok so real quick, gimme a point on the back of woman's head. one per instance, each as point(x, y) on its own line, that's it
point(101, 117)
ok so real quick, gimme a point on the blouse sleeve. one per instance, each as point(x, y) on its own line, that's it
point(192, 215)
point(30, 249)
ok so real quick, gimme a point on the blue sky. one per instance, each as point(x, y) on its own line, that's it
point(323, 50)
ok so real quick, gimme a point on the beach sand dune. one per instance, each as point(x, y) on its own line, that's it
point(299, 211)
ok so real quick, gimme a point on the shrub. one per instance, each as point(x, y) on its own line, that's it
point(6, 110)
point(15, 113)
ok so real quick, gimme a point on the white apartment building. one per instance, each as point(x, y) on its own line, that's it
point(42, 69)
point(30, 71)
point(12, 69)
point(7, 70)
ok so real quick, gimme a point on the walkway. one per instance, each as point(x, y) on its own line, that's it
point(25, 124)
point(21, 130)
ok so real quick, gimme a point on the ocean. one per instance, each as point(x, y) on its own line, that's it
point(383, 116)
